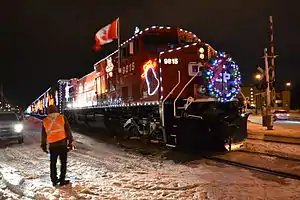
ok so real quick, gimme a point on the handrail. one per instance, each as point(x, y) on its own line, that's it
point(174, 103)
point(188, 102)
point(163, 102)
point(192, 100)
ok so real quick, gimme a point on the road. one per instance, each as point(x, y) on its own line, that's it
point(103, 168)
point(283, 123)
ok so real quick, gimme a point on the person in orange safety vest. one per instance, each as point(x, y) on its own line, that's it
point(56, 132)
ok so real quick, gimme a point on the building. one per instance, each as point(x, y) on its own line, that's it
point(250, 94)
point(283, 100)
point(257, 99)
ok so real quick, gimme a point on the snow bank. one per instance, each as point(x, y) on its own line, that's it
point(254, 128)
point(14, 181)
point(5, 193)
point(295, 116)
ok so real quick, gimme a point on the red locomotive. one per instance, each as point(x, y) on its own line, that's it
point(167, 86)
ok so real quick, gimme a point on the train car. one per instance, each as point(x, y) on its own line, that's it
point(54, 95)
point(168, 86)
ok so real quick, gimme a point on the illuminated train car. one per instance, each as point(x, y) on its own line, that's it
point(54, 95)
point(169, 87)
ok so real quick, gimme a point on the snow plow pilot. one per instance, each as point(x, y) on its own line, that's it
point(56, 132)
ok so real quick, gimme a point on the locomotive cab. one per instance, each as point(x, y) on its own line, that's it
point(199, 93)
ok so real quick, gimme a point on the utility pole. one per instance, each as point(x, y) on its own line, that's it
point(3, 98)
point(268, 116)
point(1, 94)
point(272, 56)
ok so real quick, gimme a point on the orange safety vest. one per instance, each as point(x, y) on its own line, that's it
point(55, 128)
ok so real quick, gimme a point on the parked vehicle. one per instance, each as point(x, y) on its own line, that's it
point(11, 127)
point(281, 115)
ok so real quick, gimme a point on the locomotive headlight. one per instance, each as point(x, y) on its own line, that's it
point(18, 128)
point(201, 53)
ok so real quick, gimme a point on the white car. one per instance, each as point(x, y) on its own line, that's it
point(281, 115)
point(11, 127)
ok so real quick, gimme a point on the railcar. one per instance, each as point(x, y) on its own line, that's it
point(54, 95)
point(168, 86)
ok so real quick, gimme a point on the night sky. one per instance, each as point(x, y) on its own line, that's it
point(42, 41)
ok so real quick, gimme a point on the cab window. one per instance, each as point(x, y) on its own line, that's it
point(158, 42)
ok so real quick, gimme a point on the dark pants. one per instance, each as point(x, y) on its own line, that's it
point(55, 152)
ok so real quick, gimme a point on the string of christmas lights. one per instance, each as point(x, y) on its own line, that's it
point(150, 65)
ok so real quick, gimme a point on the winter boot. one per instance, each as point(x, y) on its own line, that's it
point(54, 183)
point(64, 182)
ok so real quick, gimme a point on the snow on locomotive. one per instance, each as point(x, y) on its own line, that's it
point(169, 87)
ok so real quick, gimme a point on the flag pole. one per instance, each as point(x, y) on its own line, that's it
point(119, 59)
point(119, 47)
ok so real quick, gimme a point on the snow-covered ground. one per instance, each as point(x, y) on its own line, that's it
point(288, 150)
point(257, 130)
point(291, 129)
point(287, 124)
point(100, 170)
point(295, 115)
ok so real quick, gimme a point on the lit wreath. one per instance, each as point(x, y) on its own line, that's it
point(223, 78)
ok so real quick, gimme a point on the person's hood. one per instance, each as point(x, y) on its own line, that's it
point(53, 115)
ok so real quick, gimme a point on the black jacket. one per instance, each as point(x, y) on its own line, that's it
point(60, 143)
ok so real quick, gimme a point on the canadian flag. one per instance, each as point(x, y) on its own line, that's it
point(107, 34)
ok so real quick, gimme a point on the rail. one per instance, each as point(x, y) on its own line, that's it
point(275, 139)
point(253, 168)
point(174, 103)
point(270, 155)
point(163, 102)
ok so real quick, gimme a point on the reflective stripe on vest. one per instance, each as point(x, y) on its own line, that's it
point(55, 128)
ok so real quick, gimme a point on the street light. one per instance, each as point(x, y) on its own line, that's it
point(288, 85)
point(258, 77)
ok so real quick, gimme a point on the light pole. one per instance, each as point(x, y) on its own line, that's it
point(288, 85)
point(288, 93)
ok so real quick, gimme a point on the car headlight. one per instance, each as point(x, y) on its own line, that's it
point(18, 128)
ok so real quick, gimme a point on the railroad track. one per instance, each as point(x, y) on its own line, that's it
point(276, 139)
point(271, 155)
point(257, 168)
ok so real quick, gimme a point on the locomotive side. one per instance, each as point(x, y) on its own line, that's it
point(163, 89)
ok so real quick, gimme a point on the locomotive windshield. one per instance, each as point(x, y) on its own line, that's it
point(158, 42)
